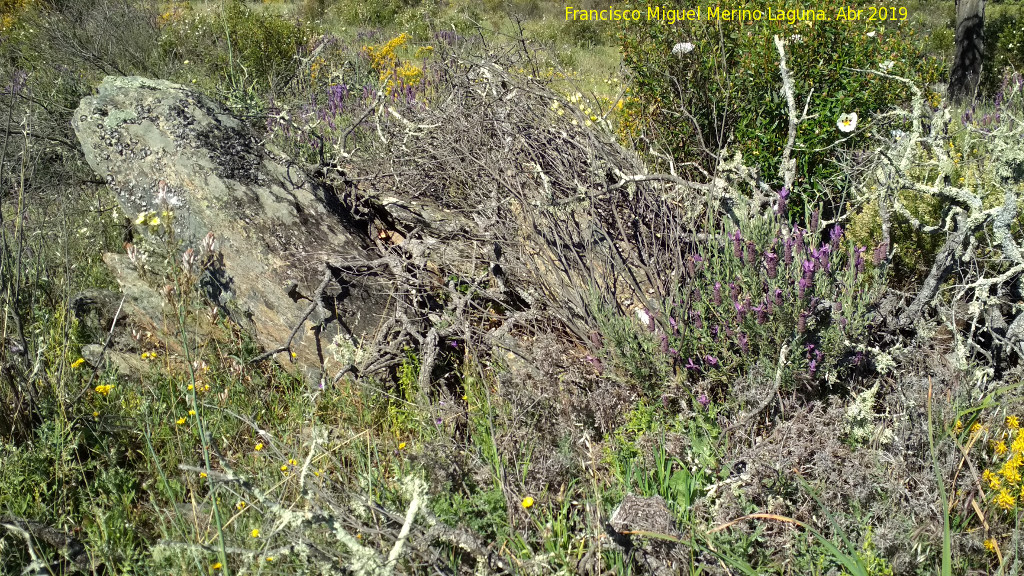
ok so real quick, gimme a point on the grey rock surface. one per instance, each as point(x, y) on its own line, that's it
point(275, 227)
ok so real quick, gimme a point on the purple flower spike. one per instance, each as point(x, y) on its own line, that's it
point(880, 254)
point(703, 400)
point(751, 254)
point(734, 292)
point(737, 244)
point(803, 285)
point(717, 293)
point(835, 234)
point(778, 297)
point(690, 365)
point(771, 263)
point(696, 319)
point(815, 217)
point(780, 208)
point(711, 360)
point(664, 343)
point(672, 323)
point(742, 341)
point(761, 310)
point(801, 323)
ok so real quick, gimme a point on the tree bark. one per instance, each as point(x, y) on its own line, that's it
point(970, 47)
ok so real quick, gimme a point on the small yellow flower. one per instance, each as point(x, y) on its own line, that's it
point(255, 533)
point(240, 505)
point(1012, 422)
point(976, 427)
point(990, 545)
point(202, 474)
point(142, 218)
point(284, 467)
point(294, 355)
point(216, 566)
point(1004, 500)
point(292, 462)
point(993, 481)
point(259, 446)
point(401, 445)
point(78, 363)
point(270, 558)
point(191, 412)
point(527, 502)
point(95, 414)
point(104, 389)
point(181, 421)
point(999, 448)
point(191, 387)
point(1018, 444)
point(958, 427)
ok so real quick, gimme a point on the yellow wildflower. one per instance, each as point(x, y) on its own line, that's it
point(142, 218)
point(154, 221)
point(527, 502)
point(78, 363)
point(191, 412)
point(993, 481)
point(216, 566)
point(255, 533)
point(999, 448)
point(401, 445)
point(1012, 422)
point(958, 427)
point(284, 467)
point(270, 558)
point(240, 505)
point(1018, 444)
point(1011, 473)
point(181, 421)
point(292, 462)
point(202, 474)
point(104, 389)
point(976, 427)
point(1004, 500)
point(990, 545)
point(95, 414)
point(259, 446)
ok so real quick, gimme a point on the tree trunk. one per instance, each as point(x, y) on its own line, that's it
point(970, 47)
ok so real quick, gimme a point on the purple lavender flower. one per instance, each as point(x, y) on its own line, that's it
point(673, 324)
point(737, 244)
point(771, 263)
point(664, 343)
point(742, 341)
point(761, 311)
point(880, 253)
point(801, 323)
point(716, 293)
point(778, 297)
point(858, 259)
point(815, 217)
point(808, 268)
point(703, 400)
point(690, 365)
point(835, 234)
point(803, 285)
point(740, 311)
point(711, 361)
point(780, 207)
point(696, 319)
point(734, 292)
point(751, 253)
point(787, 251)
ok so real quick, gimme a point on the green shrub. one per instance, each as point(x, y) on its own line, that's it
point(1005, 35)
point(727, 90)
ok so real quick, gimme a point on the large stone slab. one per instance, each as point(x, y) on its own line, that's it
point(274, 225)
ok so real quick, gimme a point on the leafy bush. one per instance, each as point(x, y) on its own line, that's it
point(1005, 35)
point(726, 91)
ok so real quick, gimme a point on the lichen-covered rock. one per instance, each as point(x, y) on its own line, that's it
point(275, 227)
